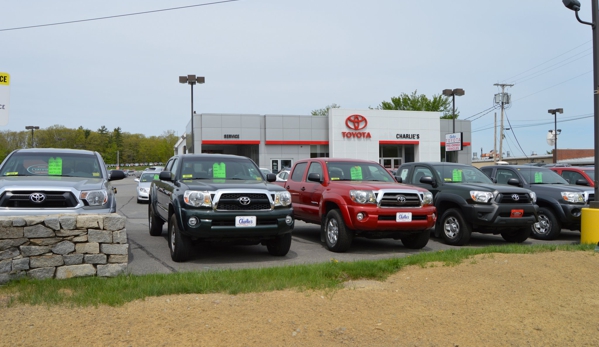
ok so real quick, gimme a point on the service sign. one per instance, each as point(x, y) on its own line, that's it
point(453, 142)
point(4, 96)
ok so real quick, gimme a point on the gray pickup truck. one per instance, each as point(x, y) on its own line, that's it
point(219, 198)
point(41, 181)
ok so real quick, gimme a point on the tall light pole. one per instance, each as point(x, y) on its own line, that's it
point(452, 93)
point(554, 112)
point(32, 128)
point(574, 5)
point(191, 80)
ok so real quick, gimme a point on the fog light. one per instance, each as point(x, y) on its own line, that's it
point(360, 216)
point(289, 220)
point(576, 212)
point(193, 221)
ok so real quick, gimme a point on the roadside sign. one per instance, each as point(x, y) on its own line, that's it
point(454, 142)
point(4, 97)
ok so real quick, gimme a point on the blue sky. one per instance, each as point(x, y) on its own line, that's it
point(292, 57)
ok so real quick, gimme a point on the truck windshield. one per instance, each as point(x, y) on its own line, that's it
point(220, 168)
point(541, 176)
point(461, 174)
point(357, 171)
point(52, 164)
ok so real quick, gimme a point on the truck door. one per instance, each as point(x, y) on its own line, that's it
point(310, 195)
point(294, 185)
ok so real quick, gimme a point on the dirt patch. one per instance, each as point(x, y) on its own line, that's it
point(544, 299)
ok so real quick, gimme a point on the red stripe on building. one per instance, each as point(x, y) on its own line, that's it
point(230, 142)
point(465, 144)
point(297, 142)
point(399, 142)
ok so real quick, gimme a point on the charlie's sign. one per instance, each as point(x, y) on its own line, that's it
point(356, 122)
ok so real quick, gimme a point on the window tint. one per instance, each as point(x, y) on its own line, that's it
point(421, 171)
point(298, 172)
point(315, 168)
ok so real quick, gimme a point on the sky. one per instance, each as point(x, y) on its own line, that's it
point(291, 57)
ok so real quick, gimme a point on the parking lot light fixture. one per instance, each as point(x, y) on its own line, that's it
point(32, 128)
point(554, 112)
point(192, 80)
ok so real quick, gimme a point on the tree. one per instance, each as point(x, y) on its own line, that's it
point(324, 111)
point(415, 102)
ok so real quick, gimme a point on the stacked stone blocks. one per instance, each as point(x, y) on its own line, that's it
point(63, 246)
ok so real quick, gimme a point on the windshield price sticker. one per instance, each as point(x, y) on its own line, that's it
point(403, 217)
point(356, 173)
point(245, 221)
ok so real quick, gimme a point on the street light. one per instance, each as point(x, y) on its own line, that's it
point(574, 5)
point(554, 112)
point(191, 80)
point(453, 93)
point(32, 128)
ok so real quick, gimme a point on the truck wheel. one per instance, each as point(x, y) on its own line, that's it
point(280, 245)
point(179, 244)
point(154, 222)
point(337, 237)
point(516, 236)
point(416, 240)
point(548, 227)
point(454, 229)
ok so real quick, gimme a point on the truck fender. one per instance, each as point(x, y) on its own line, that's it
point(554, 206)
point(441, 200)
point(325, 206)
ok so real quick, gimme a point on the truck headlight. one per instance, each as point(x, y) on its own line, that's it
point(533, 197)
point(427, 198)
point(362, 196)
point(282, 198)
point(479, 196)
point(142, 190)
point(573, 197)
point(94, 197)
point(197, 199)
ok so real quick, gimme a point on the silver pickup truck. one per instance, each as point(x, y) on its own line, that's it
point(41, 181)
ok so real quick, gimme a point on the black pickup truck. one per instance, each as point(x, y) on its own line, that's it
point(467, 201)
point(219, 198)
point(560, 204)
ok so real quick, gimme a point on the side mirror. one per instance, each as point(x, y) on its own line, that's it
point(582, 182)
point(116, 175)
point(136, 180)
point(513, 182)
point(271, 177)
point(314, 177)
point(165, 176)
point(399, 179)
point(427, 180)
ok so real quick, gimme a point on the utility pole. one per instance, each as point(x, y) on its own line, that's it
point(503, 99)
point(495, 140)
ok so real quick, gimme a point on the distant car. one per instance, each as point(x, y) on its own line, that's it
point(143, 185)
point(39, 181)
point(154, 168)
point(130, 172)
point(265, 171)
point(577, 175)
point(283, 175)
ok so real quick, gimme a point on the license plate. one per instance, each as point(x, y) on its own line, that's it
point(403, 217)
point(517, 214)
point(245, 221)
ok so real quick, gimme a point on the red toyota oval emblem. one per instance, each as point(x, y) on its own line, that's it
point(356, 122)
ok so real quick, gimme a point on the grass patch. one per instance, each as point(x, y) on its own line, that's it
point(116, 291)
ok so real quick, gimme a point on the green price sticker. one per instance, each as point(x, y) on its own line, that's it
point(55, 166)
point(356, 173)
point(538, 177)
point(457, 175)
point(219, 170)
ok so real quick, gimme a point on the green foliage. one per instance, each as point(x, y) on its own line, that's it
point(130, 148)
point(324, 111)
point(415, 102)
point(94, 291)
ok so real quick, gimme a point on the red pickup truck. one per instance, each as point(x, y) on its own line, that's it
point(359, 198)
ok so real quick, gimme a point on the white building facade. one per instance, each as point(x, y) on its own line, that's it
point(277, 141)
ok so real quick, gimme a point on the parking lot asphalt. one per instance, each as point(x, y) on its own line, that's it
point(150, 254)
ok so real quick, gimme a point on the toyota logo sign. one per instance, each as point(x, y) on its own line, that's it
point(37, 198)
point(356, 122)
point(244, 200)
point(515, 197)
point(401, 199)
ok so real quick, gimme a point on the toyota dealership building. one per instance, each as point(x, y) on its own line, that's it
point(277, 141)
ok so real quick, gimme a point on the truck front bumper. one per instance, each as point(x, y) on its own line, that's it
point(367, 218)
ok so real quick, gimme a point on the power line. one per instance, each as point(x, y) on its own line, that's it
point(118, 16)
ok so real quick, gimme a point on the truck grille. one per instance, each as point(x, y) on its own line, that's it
point(51, 199)
point(239, 202)
point(400, 199)
point(514, 198)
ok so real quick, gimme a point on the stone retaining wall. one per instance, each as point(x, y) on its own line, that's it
point(63, 246)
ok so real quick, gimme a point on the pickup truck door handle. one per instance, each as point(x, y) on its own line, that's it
point(303, 188)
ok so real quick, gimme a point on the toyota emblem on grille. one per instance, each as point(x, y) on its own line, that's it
point(401, 199)
point(244, 200)
point(515, 197)
point(37, 198)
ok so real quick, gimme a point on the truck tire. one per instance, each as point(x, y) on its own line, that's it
point(454, 229)
point(548, 228)
point(280, 245)
point(416, 240)
point(154, 222)
point(179, 244)
point(337, 237)
point(516, 236)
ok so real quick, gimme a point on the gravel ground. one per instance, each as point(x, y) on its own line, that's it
point(543, 299)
